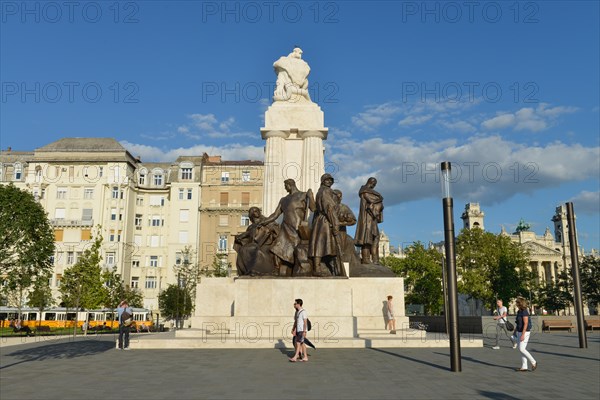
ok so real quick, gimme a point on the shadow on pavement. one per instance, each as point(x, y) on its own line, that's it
point(60, 351)
point(496, 395)
point(463, 357)
point(409, 358)
point(564, 355)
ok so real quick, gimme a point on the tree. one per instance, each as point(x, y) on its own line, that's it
point(422, 273)
point(491, 266)
point(41, 296)
point(26, 242)
point(117, 290)
point(82, 284)
point(555, 296)
point(589, 274)
point(219, 268)
point(172, 303)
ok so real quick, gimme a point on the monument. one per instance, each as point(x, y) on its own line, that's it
point(298, 258)
point(294, 132)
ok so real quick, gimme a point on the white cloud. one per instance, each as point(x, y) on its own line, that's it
point(376, 116)
point(527, 118)
point(227, 152)
point(485, 169)
point(414, 120)
point(458, 126)
point(209, 126)
point(586, 203)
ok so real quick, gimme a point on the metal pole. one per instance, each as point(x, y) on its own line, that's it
point(576, 280)
point(444, 281)
point(448, 206)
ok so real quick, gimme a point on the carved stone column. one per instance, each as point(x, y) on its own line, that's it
point(274, 161)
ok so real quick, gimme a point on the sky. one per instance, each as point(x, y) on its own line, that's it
point(508, 92)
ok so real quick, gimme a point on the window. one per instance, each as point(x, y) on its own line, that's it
point(113, 214)
point(186, 173)
point(181, 194)
point(245, 198)
point(59, 213)
point(157, 200)
point(115, 192)
point(58, 235)
point(58, 279)
point(139, 201)
point(184, 215)
point(222, 242)
point(156, 220)
point(86, 214)
point(70, 257)
point(135, 263)
point(52, 259)
point(158, 179)
point(224, 199)
point(223, 220)
point(18, 171)
point(154, 241)
point(245, 176)
point(110, 258)
point(150, 282)
point(38, 174)
point(224, 177)
point(137, 240)
point(178, 258)
point(61, 193)
point(189, 194)
point(245, 220)
point(183, 237)
point(154, 261)
point(88, 193)
point(100, 172)
point(142, 178)
point(138, 220)
point(115, 236)
point(135, 282)
point(86, 234)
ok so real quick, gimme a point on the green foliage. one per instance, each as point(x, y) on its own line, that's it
point(589, 273)
point(82, 285)
point(422, 273)
point(489, 266)
point(174, 301)
point(26, 242)
point(117, 290)
point(555, 296)
point(41, 295)
point(219, 268)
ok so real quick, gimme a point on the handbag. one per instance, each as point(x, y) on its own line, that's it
point(508, 325)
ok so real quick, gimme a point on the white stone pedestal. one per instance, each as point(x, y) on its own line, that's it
point(337, 308)
point(294, 134)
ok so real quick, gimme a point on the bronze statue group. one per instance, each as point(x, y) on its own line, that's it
point(319, 248)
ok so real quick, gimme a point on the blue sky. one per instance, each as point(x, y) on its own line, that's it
point(506, 91)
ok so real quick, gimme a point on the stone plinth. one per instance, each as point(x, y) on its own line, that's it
point(337, 307)
point(294, 134)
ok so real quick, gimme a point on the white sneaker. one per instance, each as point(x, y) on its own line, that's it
point(514, 345)
point(496, 347)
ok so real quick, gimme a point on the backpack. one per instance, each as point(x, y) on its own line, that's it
point(126, 318)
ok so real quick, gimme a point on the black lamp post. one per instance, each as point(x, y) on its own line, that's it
point(451, 286)
point(576, 280)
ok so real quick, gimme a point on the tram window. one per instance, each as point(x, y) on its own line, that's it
point(92, 316)
point(71, 316)
point(32, 316)
point(50, 316)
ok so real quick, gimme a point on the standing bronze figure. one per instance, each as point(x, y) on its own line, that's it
point(294, 208)
point(324, 245)
point(369, 215)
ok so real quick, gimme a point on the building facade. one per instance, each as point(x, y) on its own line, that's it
point(147, 213)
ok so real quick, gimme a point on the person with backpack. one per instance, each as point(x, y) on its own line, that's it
point(299, 331)
point(502, 325)
point(125, 316)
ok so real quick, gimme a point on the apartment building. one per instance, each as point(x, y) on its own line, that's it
point(148, 212)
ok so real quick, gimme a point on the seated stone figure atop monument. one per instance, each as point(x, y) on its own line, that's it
point(254, 246)
point(292, 78)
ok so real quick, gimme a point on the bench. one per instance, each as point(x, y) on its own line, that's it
point(547, 324)
point(42, 328)
point(592, 323)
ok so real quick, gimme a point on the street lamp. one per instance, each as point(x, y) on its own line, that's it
point(452, 293)
point(576, 279)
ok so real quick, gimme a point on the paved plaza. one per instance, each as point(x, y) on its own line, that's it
point(91, 368)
